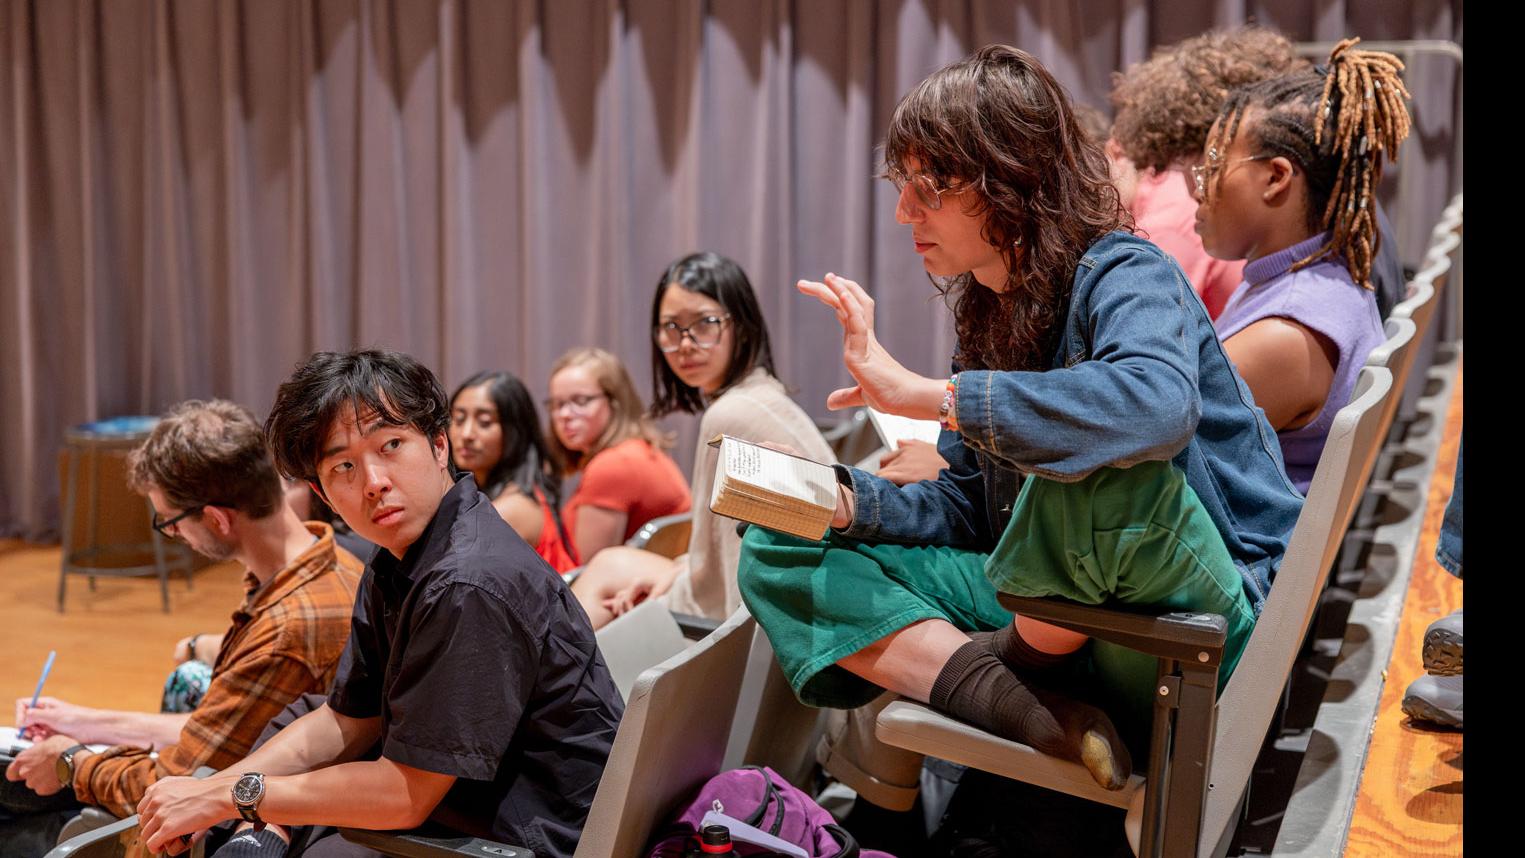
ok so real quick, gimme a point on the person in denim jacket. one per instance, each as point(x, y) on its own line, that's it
point(1100, 446)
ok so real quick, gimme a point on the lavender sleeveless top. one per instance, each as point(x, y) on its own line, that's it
point(1322, 298)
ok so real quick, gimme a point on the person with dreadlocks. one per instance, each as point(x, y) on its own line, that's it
point(1098, 444)
point(1164, 107)
point(1288, 183)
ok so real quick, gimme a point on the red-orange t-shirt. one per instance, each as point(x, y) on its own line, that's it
point(632, 477)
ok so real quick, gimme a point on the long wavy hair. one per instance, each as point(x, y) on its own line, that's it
point(999, 122)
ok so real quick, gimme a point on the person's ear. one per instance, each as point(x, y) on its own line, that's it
point(1278, 179)
point(442, 449)
point(317, 489)
point(218, 519)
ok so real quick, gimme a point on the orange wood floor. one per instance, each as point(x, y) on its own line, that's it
point(114, 644)
point(1410, 797)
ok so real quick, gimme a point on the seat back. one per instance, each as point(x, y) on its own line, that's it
point(1248, 704)
point(1396, 354)
point(773, 728)
point(671, 740)
point(644, 636)
point(665, 535)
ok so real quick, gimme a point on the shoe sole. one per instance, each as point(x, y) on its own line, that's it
point(1421, 709)
point(1442, 653)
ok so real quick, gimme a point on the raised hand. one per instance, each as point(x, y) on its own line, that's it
point(882, 382)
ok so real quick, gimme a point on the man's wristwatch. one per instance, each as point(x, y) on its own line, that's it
point(64, 766)
point(248, 791)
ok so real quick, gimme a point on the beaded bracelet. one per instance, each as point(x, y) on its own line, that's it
point(947, 414)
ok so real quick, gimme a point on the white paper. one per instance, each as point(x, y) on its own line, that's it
point(893, 428)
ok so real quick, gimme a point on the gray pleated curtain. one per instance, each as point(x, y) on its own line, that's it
point(194, 195)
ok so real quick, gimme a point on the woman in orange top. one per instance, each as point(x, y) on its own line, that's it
point(601, 430)
point(495, 434)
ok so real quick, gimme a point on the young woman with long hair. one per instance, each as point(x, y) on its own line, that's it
point(495, 435)
point(612, 448)
point(710, 355)
point(1099, 446)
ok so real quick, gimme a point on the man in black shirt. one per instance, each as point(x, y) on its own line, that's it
point(470, 665)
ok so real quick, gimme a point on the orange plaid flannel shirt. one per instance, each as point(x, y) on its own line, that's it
point(285, 640)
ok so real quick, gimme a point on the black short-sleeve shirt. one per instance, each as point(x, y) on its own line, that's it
point(481, 664)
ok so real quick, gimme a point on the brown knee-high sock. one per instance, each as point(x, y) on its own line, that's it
point(1017, 654)
point(975, 686)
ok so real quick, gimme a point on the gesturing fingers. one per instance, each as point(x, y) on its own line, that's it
point(859, 294)
point(821, 292)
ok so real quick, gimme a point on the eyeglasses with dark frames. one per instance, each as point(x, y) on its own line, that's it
point(163, 526)
point(704, 332)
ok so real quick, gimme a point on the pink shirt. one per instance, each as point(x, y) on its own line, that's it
point(1166, 214)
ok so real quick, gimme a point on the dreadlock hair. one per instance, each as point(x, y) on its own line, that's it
point(1000, 123)
point(1338, 123)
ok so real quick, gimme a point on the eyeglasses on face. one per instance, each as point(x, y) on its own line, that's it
point(928, 194)
point(1202, 173)
point(705, 333)
point(163, 526)
point(582, 403)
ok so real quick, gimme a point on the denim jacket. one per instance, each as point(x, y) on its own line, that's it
point(1138, 375)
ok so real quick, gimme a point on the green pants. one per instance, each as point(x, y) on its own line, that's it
point(1136, 535)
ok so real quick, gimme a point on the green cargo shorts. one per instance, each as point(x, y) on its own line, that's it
point(1137, 535)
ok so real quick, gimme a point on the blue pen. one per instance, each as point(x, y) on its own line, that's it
point(47, 668)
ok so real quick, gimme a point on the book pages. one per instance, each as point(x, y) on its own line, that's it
point(776, 490)
point(893, 428)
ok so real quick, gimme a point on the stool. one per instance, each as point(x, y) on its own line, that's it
point(85, 445)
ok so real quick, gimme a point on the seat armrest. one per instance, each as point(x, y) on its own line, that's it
point(415, 844)
point(694, 626)
point(1180, 635)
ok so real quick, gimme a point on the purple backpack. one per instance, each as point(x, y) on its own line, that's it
point(761, 798)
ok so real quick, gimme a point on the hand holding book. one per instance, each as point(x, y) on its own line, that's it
point(771, 486)
point(882, 382)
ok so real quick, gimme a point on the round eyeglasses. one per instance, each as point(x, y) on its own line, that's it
point(579, 404)
point(1201, 174)
point(928, 194)
point(704, 332)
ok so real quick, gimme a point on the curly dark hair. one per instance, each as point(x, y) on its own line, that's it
point(1000, 123)
point(1164, 106)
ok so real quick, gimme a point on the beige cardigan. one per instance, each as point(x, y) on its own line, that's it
point(757, 408)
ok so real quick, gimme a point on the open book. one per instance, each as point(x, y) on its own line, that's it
point(893, 428)
point(790, 494)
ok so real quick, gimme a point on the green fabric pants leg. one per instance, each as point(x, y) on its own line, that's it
point(1137, 535)
point(823, 601)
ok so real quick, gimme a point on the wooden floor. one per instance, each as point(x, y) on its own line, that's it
point(114, 644)
point(1410, 799)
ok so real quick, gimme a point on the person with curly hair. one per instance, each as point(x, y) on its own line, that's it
point(1163, 108)
point(1098, 443)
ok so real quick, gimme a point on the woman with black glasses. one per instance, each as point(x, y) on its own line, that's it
point(710, 356)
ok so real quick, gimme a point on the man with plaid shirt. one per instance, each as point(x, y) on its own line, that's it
point(209, 476)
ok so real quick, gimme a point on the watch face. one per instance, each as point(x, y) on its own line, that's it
point(248, 789)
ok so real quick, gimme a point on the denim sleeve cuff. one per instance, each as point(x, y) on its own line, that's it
point(867, 504)
point(972, 408)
